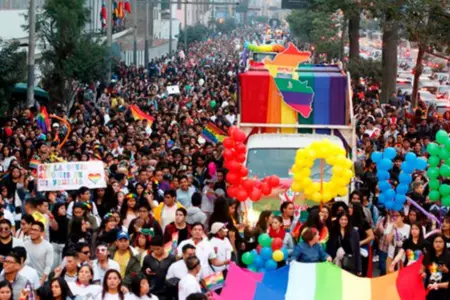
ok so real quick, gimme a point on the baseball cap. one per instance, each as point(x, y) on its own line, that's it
point(123, 235)
point(216, 227)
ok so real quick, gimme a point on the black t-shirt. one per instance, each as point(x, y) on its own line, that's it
point(434, 275)
point(412, 251)
point(362, 230)
point(5, 249)
point(344, 242)
point(182, 234)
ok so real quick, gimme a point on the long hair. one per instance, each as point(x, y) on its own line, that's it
point(65, 290)
point(5, 283)
point(124, 208)
point(135, 286)
point(421, 237)
point(220, 213)
point(105, 284)
point(284, 206)
point(358, 216)
point(431, 250)
point(348, 229)
point(262, 221)
point(314, 220)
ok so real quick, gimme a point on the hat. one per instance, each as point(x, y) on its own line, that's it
point(216, 227)
point(123, 235)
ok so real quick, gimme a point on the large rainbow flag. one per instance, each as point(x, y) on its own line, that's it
point(138, 114)
point(321, 281)
point(43, 120)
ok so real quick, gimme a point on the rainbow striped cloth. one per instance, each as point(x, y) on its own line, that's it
point(214, 281)
point(138, 114)
point(43, 120)
point(213, 134)
point(33, 164)
point(322, 281)
point(171, 247)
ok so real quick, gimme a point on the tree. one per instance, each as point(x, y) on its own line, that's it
point(194, 34)
point(13, 67)
point(70, 55)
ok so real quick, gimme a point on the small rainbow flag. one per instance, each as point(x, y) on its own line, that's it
point(43, 120)
point(213, 134)
point(138, 114)
point(34, 163)
point(171, 246)
point(214, 281)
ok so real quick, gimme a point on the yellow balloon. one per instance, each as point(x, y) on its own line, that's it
point(298, 177)
point(278, 255)
point(296, 187)
point(310, 154)
point(306, 182)
point(326, 196)
point(316, 197)
point(315, 186)
point(330, 160)
point(305, 172)
point(338, 170)
point(342, 191)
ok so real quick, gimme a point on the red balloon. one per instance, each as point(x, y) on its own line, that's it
point(240, 158)
point(239, 136)
point(234, 166)
point(244, 171)
point(233, 178)
point(255, 195)
point(258, 184)
point(231, 130)
point(241, 148)
point(228, 154)
point(248, 185)
point(232, 191)
point(258, 248)
point(242, 195)
point(274, 181)
point(228, 143)
point(277, 244)
point(265, 189)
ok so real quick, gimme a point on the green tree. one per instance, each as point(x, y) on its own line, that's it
point(13, 67)
point(194, 34)
point(70, 54)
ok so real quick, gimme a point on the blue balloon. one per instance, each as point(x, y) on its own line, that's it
point(389, 205)
point(400, 198)
point(390, 194)
point(421, 164)
point(381, 198)
point(402, 189)
point(407, 167)
point(405, 178)
point(385, 164)
point(285, 252)
point(410, 157)
point(397, 206)
point(384, 185)
point(258, 262)
point(383, 175)
point(266, 253)
point(376, 156)
point(261, 270)
point(271, 265)
point(389, 153)
point(254, 253)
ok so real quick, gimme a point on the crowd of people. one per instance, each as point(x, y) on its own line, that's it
point(164, 222)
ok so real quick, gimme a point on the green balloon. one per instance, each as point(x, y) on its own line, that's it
point(252, 268)
point(445, 171)
point(434, 161)
point(434, 196)
point(442, 137)
point(447, 144)
point(444, 190)
point(444, 154)
point(265, 240)
point(248, 258)
point(433, 149)
point(434, 184)
point(446, 201)
point(213, 103)
point(433, 173)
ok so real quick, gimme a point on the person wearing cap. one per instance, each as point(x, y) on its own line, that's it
point(103, 263)
point(221, 244)
point(126, 257)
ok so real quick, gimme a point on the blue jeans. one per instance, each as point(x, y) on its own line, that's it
point(382, 262)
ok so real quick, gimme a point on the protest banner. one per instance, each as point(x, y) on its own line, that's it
point(70, 176)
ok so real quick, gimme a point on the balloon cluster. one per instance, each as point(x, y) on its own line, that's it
point(241, 187)
point(394, 199)
point(266, 255)
point(342, 171)
point(264, 48)
point(439, 166)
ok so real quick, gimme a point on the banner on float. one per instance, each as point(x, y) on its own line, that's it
point(70, 176)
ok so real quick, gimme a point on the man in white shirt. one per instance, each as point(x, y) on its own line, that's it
point(189, 284)
point(179, 270)
point(221, 244)
point(203, 250)
point(103, 263)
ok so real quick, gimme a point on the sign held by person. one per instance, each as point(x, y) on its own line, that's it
point(70, 176)
point(173, 89)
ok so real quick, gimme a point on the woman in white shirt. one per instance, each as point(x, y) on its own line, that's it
point(83, 287)
point(140, 289)
point(112, 286)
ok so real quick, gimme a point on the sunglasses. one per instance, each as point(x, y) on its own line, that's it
point(86, 252)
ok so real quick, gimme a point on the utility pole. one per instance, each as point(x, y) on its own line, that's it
point(135, 29)
point(31, 49)
point(185, 28)
point(213, 17)
point(170, 30)
point(147, 19)
point(109, 38)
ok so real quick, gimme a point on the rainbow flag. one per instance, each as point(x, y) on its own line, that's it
point(34, 163)
point(213, 134)
point(322, 281)
point(138, 114)
point(214, 281)
point(43, 120)
point(171, 246)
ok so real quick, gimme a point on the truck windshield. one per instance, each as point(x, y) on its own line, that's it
point(259, 56)
point(276, 161)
